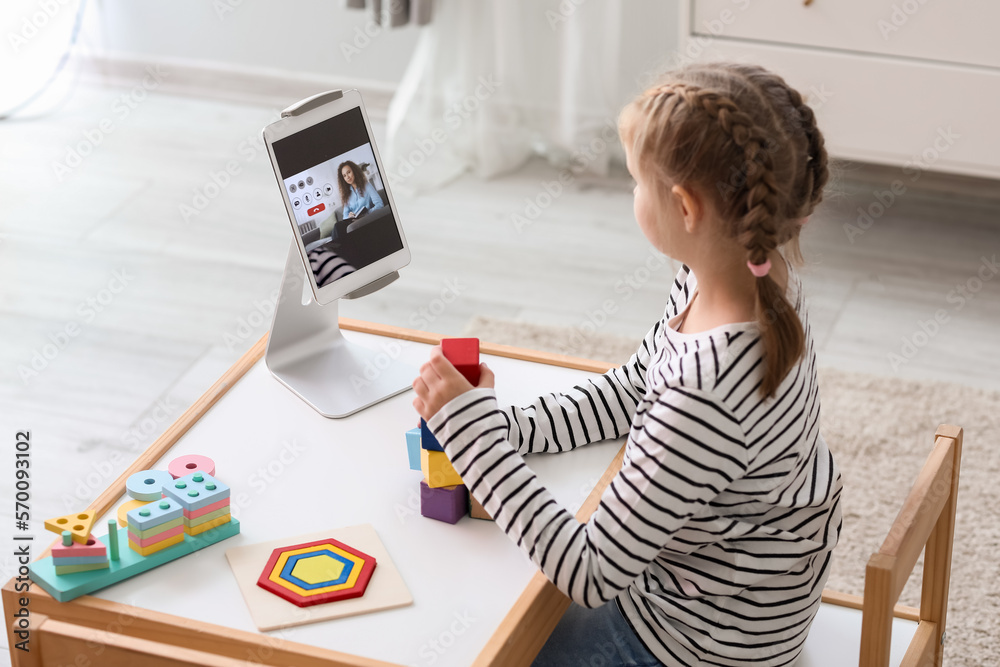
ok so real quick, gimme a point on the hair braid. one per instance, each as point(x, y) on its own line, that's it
point(817, 169)
point(756, 228)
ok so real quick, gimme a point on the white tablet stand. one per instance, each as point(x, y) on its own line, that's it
point(306, 350)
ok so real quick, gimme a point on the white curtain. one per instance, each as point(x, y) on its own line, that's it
point(493, 82)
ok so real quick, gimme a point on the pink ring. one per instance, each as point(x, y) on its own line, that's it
point(760, 270)
point(185, 465)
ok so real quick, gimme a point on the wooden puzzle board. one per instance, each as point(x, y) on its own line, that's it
point(270, 612)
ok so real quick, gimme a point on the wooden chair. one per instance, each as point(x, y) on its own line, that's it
point(926, 523)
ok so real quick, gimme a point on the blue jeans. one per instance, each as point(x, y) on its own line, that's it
point(594, 638)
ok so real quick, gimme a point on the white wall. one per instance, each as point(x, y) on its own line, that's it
point(323, 38)
point(305, 37)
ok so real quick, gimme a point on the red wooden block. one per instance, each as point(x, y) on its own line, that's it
point(463, 353)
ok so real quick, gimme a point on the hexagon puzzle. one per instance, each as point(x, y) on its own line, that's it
point(316, 572)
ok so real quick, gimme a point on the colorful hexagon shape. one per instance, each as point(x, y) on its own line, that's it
point(317, 572)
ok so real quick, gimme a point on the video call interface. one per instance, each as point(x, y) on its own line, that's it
point(338, 196)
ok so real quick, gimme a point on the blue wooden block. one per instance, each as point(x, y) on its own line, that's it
point(195, 491)
point(445, 503)
point(153, 514)
point(80, 560)
point(147, 484)
point(70, 586)
point(413, 448)
point(427, 439)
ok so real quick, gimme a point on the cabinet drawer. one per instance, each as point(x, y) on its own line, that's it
point(957, 31)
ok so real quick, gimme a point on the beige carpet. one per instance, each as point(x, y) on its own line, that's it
point(880, 430)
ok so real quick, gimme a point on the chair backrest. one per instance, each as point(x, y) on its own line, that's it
point(925, 523)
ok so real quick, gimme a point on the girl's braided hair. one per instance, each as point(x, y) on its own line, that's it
point(745, 140)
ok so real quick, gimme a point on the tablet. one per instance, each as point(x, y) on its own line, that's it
point(337, 197)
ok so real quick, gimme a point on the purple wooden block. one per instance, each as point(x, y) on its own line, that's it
point(446, 503)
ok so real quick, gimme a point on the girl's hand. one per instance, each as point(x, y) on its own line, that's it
point(440, 382)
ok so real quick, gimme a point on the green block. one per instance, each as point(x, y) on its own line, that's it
point(156, 530)
point(86, 567)
point(72, 586)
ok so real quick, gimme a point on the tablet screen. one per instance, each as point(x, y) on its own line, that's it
point(338, 196)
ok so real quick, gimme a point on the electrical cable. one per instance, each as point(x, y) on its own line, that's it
point(77, 23)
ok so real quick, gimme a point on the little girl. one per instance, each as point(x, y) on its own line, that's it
point(712, 544)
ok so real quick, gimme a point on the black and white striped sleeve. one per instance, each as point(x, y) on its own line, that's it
point(684, 449)
point(598, 409)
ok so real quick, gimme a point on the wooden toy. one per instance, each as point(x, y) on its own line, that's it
point(129, 564)
point(463, 353)
point(385, 590)
point(157, 529)
point(147, 485)
point(316, 572)
point(448, 503)
point(157, 532)
point(438, 470)
point(81, 560)
point(196, 490)
point(476, 510)
point(413, 447)
point(92, 547)
point(154, 514)
point(78, 525)
point(208, 525)
point(152, 540)
point(125, 508)
point(427, 439)
point(112, 539)
point(185, 465)
point(73, 569)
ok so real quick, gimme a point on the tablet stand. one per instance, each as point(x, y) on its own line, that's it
point(307, 352)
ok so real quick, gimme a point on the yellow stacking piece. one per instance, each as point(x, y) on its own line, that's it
point(159, 546)
point(208, 525)
point(78, 525)
point(438, 470)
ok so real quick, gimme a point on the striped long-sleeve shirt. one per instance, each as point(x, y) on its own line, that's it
point(715, 537)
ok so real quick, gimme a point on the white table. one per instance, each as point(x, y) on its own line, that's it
point(292, 472)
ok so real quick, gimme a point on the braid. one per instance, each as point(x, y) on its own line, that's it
point(756, 228)
point(817, 170)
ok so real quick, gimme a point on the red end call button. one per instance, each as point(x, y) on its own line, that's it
point(316, 209)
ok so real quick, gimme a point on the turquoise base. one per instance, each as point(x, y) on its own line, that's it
point(65, 587)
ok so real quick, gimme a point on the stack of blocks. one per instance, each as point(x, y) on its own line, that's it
point(443, 495)
point(169, 504)
point(176, 508)
point(80, 551)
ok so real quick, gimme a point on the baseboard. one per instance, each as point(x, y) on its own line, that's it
point(223, 81)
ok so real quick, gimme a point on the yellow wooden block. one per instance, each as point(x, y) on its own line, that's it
point(438, 470)
point(214, 523)
point(159, 546)
point(78, 524)
point(128, 507)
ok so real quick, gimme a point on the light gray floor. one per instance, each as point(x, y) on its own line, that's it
point(158, 307)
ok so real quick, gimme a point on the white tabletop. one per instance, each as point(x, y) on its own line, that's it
point(293, 471)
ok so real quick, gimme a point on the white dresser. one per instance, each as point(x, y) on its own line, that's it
point(908, 83)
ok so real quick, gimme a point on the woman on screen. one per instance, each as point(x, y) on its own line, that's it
point(357, 193)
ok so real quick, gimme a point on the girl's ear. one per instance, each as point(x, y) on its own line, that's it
point(691, 205)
